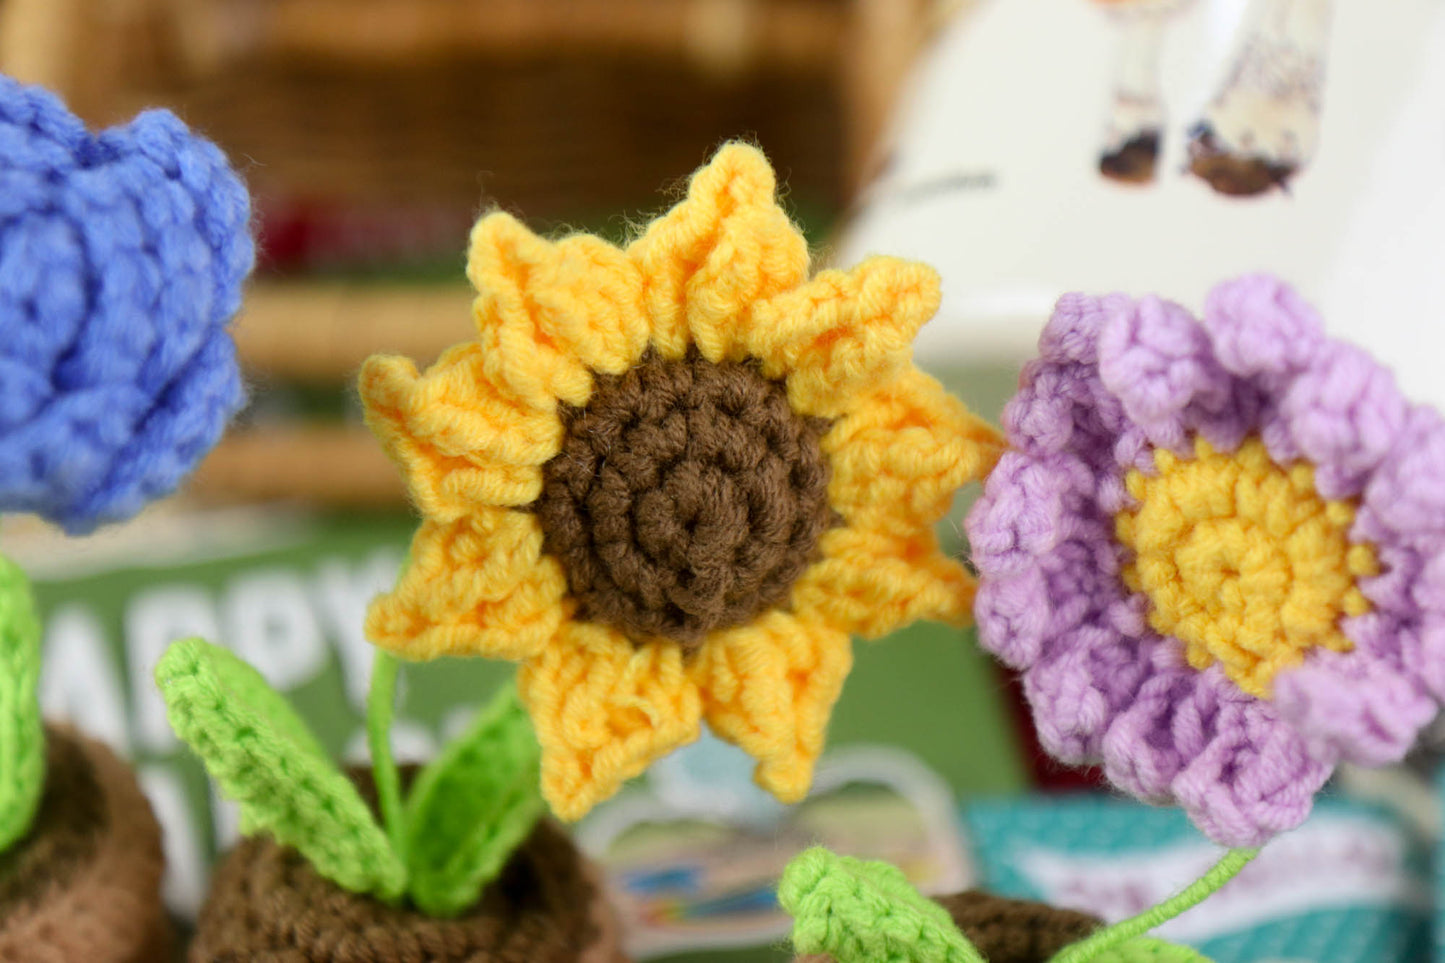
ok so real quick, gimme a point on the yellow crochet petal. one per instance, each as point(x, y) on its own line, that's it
point(538, 302)
point(901, 453)
point(843, 333)
point(727, 245)
point(604, 710)
point(461, 443)
point(870, 583)
point(770, 687)
point(479, 585)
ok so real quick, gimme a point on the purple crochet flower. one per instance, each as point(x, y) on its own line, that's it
point(1216, 551)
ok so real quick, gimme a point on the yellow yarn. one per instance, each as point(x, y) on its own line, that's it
point(724, 272)
point(1242, 560)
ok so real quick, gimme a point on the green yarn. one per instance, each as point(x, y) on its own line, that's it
point(380, 711)
point(472, 807)
point(22, 736)
point(262, 755)
point(1145, 949)
point(1093, 947)
point(866, 912)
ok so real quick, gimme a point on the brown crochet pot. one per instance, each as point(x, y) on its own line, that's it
point(1008, 930)
point(267, 903)
point(84, 886)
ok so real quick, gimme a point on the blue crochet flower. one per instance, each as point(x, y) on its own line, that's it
point(121, 261)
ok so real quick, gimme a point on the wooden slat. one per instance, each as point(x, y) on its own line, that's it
point(320, 332)
point(797, 33)
point(337, 466)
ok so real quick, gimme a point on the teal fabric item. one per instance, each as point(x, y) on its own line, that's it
point(1439, 921)
point(1351, 885)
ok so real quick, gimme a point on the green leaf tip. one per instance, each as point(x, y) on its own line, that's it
point(471, 808)
point(22, 734)
point(261, 754)
point(860, 911)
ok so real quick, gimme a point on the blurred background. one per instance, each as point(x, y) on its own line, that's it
point(1024, 147)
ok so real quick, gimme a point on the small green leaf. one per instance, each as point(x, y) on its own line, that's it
point(472, 807)
point(263, 756)
point(866, 912)
point(22, 736)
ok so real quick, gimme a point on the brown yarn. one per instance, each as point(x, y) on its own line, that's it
point(267, 903)
point(1008, 930)
point(84, 884)
point(687, 497)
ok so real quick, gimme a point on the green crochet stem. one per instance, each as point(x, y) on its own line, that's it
point(1109, 937)
point(380, 711)
point(22, 735)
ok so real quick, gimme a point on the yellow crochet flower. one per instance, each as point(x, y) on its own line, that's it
point(672, 479)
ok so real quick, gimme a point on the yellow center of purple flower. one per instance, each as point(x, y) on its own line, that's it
point(1242, 561)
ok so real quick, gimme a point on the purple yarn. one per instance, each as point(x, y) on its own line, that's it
point(121, 262)
point(1116, 379)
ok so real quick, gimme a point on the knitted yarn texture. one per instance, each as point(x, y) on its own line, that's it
point(121, 261)
point(86, 883)
point(847, 910)
point(267, 903)
point(672, 480)
point(1008, 930)
point(1216, 550)
point(22, 736)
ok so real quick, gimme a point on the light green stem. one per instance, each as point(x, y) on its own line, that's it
point(1210, 883)
point(380, 710)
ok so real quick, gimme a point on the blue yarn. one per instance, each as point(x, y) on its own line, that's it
point(122, 257)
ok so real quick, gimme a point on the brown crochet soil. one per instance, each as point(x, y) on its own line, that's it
point(1009, 930)
point(267, 904)
point(687, 497)
point(84, 885)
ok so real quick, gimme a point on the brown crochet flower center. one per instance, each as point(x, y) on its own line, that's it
point(687, 497)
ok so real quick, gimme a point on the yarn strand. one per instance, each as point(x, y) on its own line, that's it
point(380, 711)
point(1201, 889)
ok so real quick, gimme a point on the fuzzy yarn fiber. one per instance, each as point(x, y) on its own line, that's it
point(673, 480)
point(268, 903)
point(1007, 930)
point(121, 261)
point(85, 884)
point(1216, 551)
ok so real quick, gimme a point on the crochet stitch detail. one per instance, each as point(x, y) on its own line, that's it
point(545, 907)
point(1242, 561)
point(1116, 383)
point(22, 736)
point(1007, 930)
point(121, 261)
point(536, 482)
point(687, 497)
point(85, 885)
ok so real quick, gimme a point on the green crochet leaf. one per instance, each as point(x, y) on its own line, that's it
point(263, 756)
point(866, 912)
point(472, 807)
point(22, 737)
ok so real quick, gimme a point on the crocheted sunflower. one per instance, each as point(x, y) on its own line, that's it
point(672, 479)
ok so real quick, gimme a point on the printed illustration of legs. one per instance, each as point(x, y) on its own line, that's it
point(1136, 112)
point(1263, 126)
